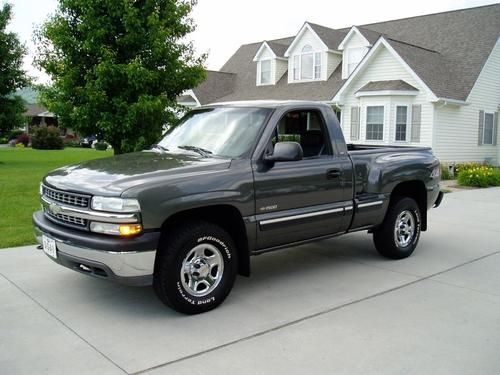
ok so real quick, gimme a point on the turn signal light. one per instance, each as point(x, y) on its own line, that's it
point(130, 229)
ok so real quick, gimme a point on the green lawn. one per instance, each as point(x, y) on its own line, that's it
point(21, 171)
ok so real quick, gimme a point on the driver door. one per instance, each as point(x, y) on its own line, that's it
point(298, 200)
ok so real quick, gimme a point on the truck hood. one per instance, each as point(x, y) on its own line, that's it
point(112, 176)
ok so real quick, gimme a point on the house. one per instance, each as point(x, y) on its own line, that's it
point(35, 114)
point(430, 80)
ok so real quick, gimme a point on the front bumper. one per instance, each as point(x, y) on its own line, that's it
point(126, 260)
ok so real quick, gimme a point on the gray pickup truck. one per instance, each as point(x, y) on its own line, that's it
point(230, 181)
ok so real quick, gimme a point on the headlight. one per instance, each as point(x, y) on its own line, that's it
point(436, 172)
point(116, 229)
point(115, 204)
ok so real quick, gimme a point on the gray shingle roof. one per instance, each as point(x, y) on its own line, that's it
point(215, 86)
point(370, 35)
point(398, 85)
point(447, 50)
point(330, 37)
point(464, 38)
point(32, 110)
point(278, 48)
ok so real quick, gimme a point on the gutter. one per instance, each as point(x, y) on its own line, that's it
point(449, 101)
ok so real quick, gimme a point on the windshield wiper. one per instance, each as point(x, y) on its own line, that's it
point(203, 152)
point(159, 147)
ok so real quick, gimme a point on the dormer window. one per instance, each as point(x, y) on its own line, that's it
point(354, 57)
point(307, 65)
point(265, 72)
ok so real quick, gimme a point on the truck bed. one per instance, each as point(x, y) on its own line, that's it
point(358, 148)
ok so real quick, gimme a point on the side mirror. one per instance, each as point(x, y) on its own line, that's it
point(285, 151)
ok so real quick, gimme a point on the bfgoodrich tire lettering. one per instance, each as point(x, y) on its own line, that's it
point(398, 235)
point(196, 267)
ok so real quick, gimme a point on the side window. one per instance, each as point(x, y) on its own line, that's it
point(306, 128)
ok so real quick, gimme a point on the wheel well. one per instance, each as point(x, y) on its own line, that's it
point(226, 216)
point(417, 191)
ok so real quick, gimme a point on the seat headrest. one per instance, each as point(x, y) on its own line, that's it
point(312, 138)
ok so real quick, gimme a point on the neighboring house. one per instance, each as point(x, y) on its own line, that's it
point(430, 80)
point(35, 113)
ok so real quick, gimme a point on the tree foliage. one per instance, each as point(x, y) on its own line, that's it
point(12, 76)
point(117, 66)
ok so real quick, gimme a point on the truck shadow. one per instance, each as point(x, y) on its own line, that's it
point(303, 266)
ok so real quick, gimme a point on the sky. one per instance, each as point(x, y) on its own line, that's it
point(224, 25)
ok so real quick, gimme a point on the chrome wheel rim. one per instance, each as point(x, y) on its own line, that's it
point(404, 228)
point(202, 270)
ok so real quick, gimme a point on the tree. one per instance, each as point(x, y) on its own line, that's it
point(12, 76)
point(117, 66)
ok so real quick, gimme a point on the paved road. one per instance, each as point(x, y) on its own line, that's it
point(330, 307)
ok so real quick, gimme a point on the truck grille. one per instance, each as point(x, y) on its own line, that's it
point(66, 219)
point(70, 199)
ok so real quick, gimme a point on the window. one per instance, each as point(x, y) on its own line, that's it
point(304, 127)
point(265, 72)
point(401, 122)
point(375, 123)
point(296, 67)
point(317, 65)
point(307, 65)
point(354, 56)
point(488, 129)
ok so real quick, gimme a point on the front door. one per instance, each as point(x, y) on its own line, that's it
point(303, 199)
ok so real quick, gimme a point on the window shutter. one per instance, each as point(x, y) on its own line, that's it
point(495, 129)
point(416, 120)
point(354, 123)
point(480, 128)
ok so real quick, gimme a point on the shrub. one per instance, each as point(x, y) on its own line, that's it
point(445, 172)
point(101, 146)
point(20, 145)
point(24, 139)
point(14, 134)
point(71, 143)
point(478, 175)
point(46, 138)
point(4, 140)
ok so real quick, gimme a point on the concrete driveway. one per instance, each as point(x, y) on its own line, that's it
point(330, 307)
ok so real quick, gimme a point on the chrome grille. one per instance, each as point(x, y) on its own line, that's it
point(66, 219)
point(70, 199)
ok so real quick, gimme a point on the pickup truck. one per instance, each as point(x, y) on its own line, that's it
point(232, 180)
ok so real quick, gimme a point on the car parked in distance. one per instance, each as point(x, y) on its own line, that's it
point(88, 141)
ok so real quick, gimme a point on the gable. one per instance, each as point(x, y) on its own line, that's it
point(354, 38)
point(306, 36)
point(381, 64)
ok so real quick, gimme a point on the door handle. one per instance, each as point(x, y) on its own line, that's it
point(332, 173)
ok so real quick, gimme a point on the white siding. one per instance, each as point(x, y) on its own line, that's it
point(456, 128)
point(333, 61)
point(384, 66)
point(281, 68)
point(356, 40)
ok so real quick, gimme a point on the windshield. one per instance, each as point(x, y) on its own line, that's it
point(228, 132)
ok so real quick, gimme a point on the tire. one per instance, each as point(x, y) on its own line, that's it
point(398, 235)
point(196, 267)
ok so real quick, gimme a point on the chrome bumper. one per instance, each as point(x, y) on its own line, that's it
point(130, 267)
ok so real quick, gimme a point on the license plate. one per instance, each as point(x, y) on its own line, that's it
point(49, 246)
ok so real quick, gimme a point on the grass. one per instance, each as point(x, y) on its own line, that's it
point(21, 171)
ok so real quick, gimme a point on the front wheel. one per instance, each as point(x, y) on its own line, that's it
point(398, 235)
point(196, 268)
